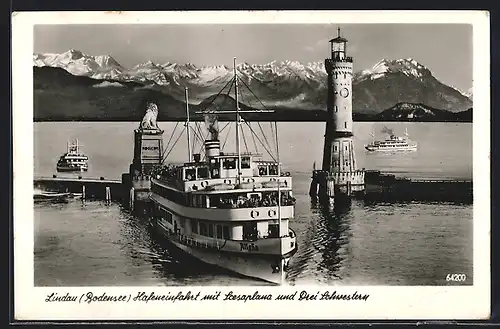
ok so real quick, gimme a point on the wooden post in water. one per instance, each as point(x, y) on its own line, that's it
point(131, 200)
point(108, 195)
point(331, 188)
point(313, 189)
point(83, 193)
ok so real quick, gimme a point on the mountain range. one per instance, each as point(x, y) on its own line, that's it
point(280, 85)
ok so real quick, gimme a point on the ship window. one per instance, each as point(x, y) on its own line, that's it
point(168, 217)
point(202, 172)
point(225, 232)
point(245, 162)
point(229, 163)
point(214, 201)
point(250, 231)
point(273, 231)
point(194, 226)
point(190, 174)
point(211, 230)
point(273, 170)
point(219, 231)
point(215, 166)
point(203, 228)
point(262, 170)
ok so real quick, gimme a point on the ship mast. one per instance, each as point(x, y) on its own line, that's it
point(187, 124)
point(238, 120)
point(282, 262)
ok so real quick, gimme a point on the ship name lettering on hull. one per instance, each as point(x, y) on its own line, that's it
point(248, 247)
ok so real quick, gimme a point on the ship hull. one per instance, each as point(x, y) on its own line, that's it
point(261, 267)
point(71, 169)
point(389, 150)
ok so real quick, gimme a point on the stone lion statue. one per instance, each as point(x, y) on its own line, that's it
point(149, 119)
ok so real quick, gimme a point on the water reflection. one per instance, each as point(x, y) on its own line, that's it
point(174, 267)
point(332, 238)
point(324, 249)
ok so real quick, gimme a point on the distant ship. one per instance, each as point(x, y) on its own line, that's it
point(229, 209)
point(392, 144)
point(73, 159)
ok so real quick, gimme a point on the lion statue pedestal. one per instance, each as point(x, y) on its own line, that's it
point(148, 144)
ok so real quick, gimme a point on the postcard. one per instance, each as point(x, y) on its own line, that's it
point(267, 165)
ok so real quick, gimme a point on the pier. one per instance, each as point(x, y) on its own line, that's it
point(90, 188)
point(387, 187)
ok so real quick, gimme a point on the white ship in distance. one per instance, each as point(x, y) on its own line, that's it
point(392, 143)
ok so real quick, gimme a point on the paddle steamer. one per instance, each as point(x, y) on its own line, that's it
point(231, 210)
point(393, 143)
point(73, 159)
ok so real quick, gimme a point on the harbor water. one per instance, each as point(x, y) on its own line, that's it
point(367, 244)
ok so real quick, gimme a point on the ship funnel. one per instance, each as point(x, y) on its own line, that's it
point(212, 148)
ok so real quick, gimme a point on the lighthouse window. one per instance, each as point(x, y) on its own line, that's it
point(345, 124)
point(336, 108)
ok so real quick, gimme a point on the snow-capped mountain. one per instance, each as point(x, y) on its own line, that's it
point(469, 93)
point(287, 83)
point(408, 67)
point(78, 63)
point(404, 81)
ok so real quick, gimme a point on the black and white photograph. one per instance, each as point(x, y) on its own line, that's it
point(338, 154)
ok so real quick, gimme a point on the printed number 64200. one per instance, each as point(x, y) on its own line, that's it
point(456, 277)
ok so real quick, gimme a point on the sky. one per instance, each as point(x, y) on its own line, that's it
point(446, 49)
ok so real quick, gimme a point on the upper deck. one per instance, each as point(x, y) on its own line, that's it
point(220, 175)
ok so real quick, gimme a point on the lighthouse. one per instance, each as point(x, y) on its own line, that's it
point(340, 174)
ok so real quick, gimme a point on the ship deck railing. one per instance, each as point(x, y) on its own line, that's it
point(200, 185)
point(190, 241)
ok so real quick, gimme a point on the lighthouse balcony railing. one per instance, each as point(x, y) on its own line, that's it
point(337, 58)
